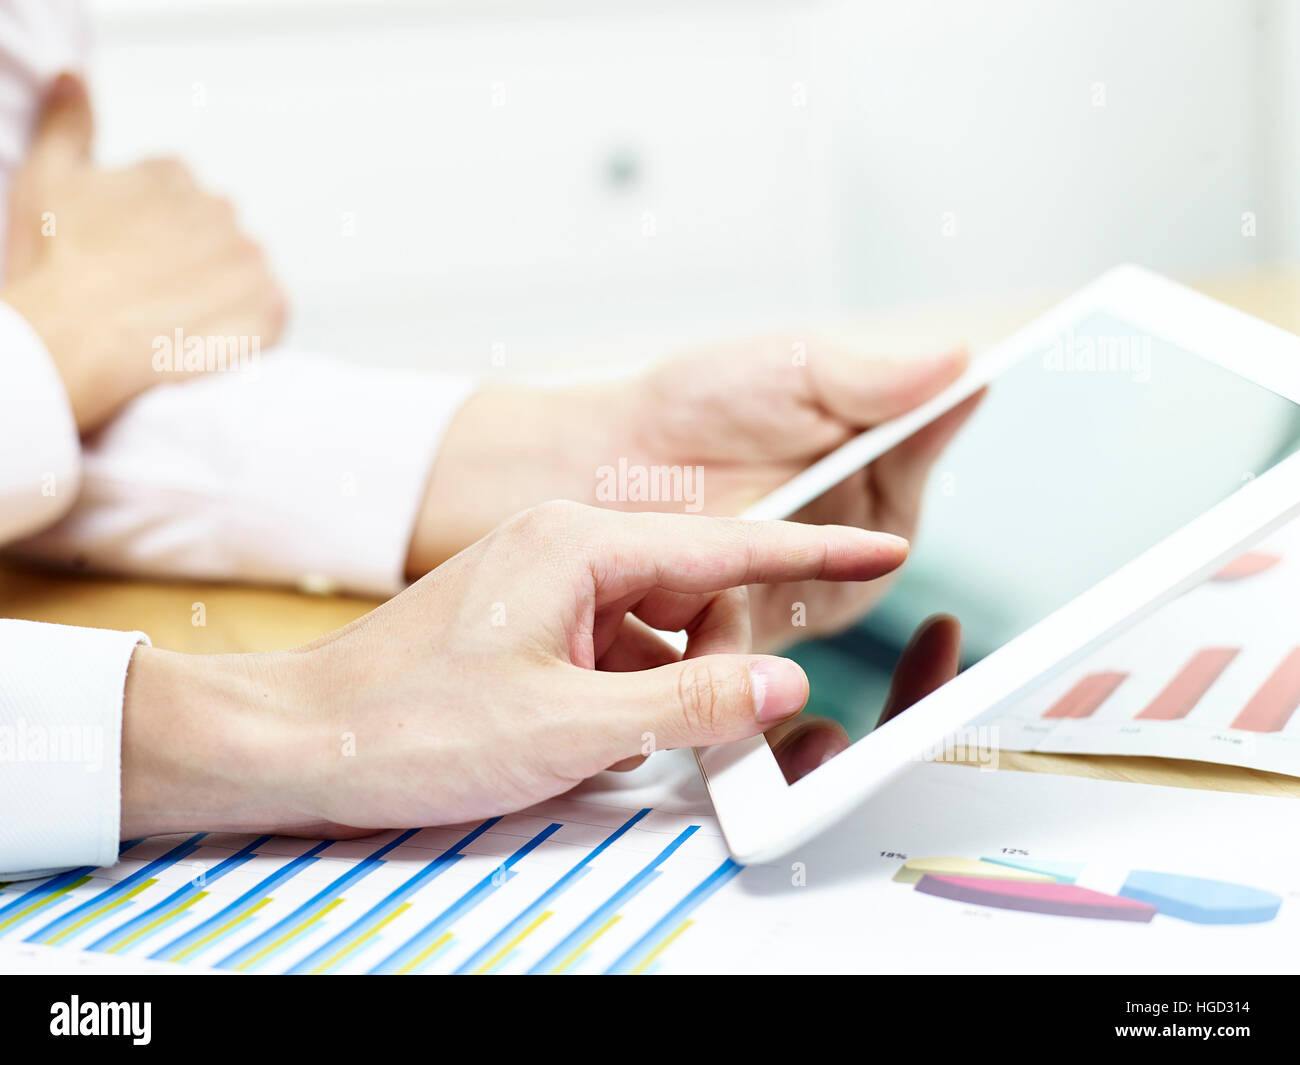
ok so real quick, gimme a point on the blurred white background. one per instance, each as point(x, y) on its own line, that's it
point(542, 182)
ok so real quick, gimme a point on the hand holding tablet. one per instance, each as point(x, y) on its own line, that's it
point(1132, 440)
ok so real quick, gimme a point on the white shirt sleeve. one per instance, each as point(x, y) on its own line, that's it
point(61, 691)
point(39, 450)
point(61, 688)
point(293, 470)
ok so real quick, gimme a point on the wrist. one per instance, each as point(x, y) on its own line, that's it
point(37, 298)
point(209, 743)
point(509, 448)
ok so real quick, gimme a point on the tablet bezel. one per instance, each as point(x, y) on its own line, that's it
point(763, 817)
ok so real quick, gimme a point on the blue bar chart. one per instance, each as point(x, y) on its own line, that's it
point(569, 887)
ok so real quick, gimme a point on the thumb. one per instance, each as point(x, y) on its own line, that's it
point(699, 702)
point(863, 392)
point(64, 129)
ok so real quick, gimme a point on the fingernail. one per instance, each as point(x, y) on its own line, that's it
point(780, 689)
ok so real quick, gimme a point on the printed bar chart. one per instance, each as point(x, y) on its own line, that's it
point(1086, 696)
point(571, 948)
point(32, 902)
point(497, 949)
point(583, 884)
point(646, 950)
point(236, 915)
point(284, 932)
point(1269, 710)
point(166, 912)
point(335, 950)
point(1251, 564)
point(113, 899)
point(1190, 684)
point(1272, 706)
point(1213, 675)
point(474, 898)
point(421, 948)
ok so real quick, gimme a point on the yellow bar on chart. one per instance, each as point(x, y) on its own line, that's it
point(496, 958)
point(424, 955)
point(288, 936)
point(121, 900)
point(581, 948)
point(199, 943)
point(39, 903)
point(119, 947)
point(649, 959)
point(360, 939)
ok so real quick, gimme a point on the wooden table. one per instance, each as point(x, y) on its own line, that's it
point(256, 619)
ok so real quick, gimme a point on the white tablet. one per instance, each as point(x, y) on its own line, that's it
point(1133, 439)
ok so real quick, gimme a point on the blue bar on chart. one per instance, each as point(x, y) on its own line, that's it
point(203, 921)
point(428, 943)
point(501, 947)
point(32, 902)
point(570, 950)
point(646, 950)
point(112, 900)
point(171, 909)
point(338, 948)
point(231, 919)
point(46, 893)
point(288, 930)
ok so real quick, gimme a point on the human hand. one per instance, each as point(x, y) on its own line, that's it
point(103, 262)
point(514, 671)
point(931, 658)
point(750, 416)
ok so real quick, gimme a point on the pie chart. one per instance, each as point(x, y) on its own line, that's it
point(1049, 888)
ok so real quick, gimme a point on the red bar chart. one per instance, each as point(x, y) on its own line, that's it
point(1271, 707)
point(1086, 696)
point(1191, 683)
point(1251, 564)
point(1213, 675)
point(1268, 710)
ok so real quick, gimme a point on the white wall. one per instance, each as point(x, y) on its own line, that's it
point(1063, 137)
point(439, 183)
point(1279, 161)
point(442, 180)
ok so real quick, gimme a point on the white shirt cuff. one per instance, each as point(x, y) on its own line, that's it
point(293, 470)
point(61, 693)
point(40, 452)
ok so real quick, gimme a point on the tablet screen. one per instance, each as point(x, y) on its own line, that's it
point(1080, 457)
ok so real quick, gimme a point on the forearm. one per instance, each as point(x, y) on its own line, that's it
point(208, 742)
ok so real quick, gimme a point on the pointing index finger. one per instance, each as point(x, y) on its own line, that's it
point(631, 553)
